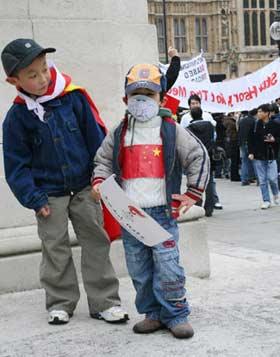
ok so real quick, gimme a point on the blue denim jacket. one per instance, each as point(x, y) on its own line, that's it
point(51, 158)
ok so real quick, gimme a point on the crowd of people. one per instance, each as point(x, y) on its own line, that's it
point(243, 147)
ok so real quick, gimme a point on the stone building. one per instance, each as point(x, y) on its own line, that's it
point(234, 34)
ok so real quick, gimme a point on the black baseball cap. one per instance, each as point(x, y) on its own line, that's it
point(20, 53)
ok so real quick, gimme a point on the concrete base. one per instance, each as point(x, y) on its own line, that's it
point(27, 276)
point(20, 248)
point(194, 249)
point(194, 213)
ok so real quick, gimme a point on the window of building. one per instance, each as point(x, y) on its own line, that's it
point(255, 29)
point(254, 4)
point(247, 35)
point(180, 34)
point(256, 14)
point(160, 34)
point(263, 28)
point(201, 34)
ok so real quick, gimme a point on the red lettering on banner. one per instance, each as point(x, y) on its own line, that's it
point(236, 97)
point(241, 97)
point(268, 82)
point(205, 94)
point(274, 79)
point(174, 91)
point(251, 92)
point(182, 91)
point(220, 99)
point(178, 91)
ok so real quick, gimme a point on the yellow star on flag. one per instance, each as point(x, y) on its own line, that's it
point(156, 152)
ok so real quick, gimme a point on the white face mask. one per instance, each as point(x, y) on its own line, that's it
point(142, 108)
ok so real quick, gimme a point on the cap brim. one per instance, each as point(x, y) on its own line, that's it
point(30, 58)
point(142, 84)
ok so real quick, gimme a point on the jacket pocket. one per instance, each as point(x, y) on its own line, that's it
point(72, 126)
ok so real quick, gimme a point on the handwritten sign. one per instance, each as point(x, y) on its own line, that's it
point(132, 218)
point(194, 70)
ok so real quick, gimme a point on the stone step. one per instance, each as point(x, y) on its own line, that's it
point(20, 255)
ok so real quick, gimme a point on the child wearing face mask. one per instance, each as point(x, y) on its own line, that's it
point(148, 152)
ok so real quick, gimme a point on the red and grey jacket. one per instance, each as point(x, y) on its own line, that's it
point(182, 153)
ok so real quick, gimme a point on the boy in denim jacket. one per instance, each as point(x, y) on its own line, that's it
point(50, 135)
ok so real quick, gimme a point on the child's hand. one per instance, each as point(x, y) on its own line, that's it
point(251, 157)
point(185, 200)
point(45, 211)
point(95, 192)
point(172, 52)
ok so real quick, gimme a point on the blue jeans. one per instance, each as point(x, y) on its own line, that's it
point(222, 167)
point(210, 199)
point(267, 173)
point(247, 168)
point(158, 278)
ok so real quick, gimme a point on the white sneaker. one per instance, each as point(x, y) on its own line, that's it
point(113, 314)
point(58, 317)
point(265, 205)
point(276, 200)
point(218, 205)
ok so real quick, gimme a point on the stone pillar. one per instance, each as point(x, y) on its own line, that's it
point(96, 40)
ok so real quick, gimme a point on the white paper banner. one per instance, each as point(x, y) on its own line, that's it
point(132, 218)
point(244, 93)
point(193, 70)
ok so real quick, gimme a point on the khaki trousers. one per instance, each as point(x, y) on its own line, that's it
point(57, 272)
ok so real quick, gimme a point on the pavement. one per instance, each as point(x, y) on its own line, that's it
point(234, 313)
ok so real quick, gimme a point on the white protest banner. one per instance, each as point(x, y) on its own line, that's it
point(193, 70)
point(130, 217)
point(244, 93)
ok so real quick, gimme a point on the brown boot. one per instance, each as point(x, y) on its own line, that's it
point(183, 330)
point(147, 326)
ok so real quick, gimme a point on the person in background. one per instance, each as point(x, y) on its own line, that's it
point(275, 116)
point(277, 101)
point(205, 132)
point(222, 167)
point(263, 147)
point(194, 101)
point(173, 69)
point(246, 123)
point(231, 144)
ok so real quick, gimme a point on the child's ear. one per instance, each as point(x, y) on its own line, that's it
point(125, 100)
point(12, 80)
